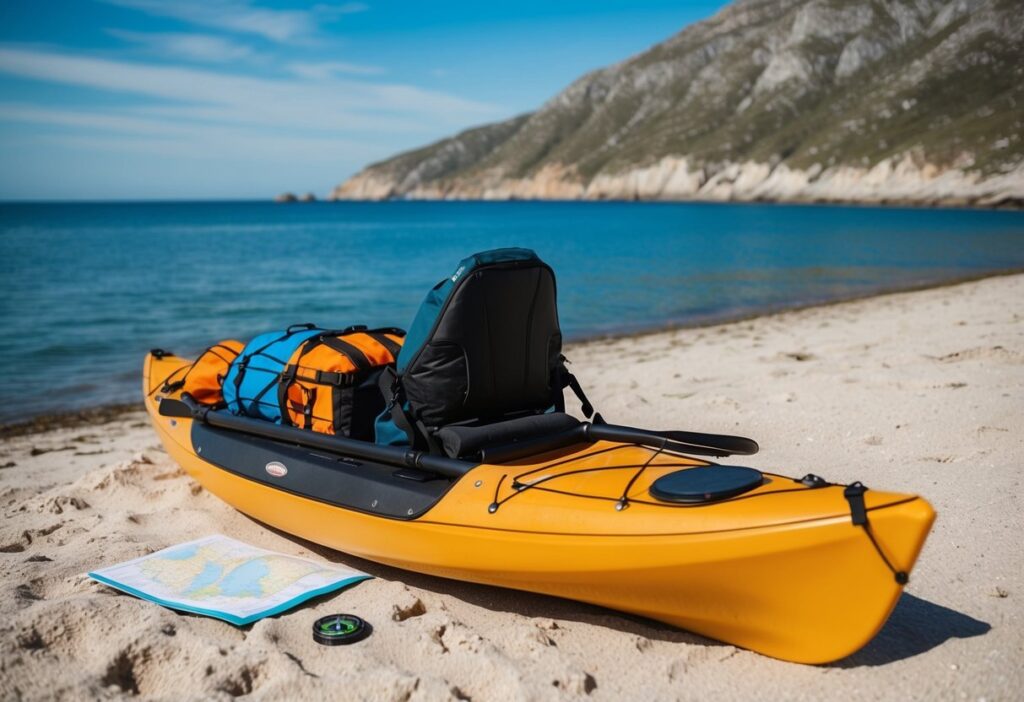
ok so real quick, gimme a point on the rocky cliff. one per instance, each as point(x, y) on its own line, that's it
point(800, 100)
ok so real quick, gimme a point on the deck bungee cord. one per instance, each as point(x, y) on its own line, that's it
point(853, 492)
point(623, 501)
point(519, 485)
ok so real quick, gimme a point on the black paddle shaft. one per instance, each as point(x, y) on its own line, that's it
point(685, 442)
point(391, 455)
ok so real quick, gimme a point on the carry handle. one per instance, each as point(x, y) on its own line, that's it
point(296, 327)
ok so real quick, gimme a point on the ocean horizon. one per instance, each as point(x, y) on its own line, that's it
point(88, 287)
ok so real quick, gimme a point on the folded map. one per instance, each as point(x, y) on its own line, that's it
point(220, 577)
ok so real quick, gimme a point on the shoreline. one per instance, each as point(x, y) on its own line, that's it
point(1013, 205)
point(1008, 205)
point(69, 419)
point(715, 321)
point(102, 414)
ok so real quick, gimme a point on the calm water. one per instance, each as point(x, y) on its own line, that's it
point(86, 289)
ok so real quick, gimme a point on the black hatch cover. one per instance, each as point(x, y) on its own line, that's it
point(705, 484)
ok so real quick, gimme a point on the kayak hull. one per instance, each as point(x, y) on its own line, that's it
point(788, 576)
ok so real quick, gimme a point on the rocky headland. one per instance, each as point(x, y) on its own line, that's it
point(770, 100)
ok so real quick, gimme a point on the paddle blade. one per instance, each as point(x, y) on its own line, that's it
point(731, 445)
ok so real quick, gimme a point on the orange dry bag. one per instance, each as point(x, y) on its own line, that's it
point(330, 382)
point(203, 379)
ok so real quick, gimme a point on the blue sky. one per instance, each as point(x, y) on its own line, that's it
point(154, 99)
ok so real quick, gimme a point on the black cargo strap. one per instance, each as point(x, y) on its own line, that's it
point(429, 435)
point(568, 380)
point(392, 346)
point(308, 399)
point(854, 494)
point(307, 410)
point(333, 340)
point(333, 378)
point(588, 409)
point(243, 366)
point(350, 351)
point(394, 397)
point(287, 378)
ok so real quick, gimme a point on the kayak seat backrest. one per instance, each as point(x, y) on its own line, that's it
point(492, 350)
point(484, 347)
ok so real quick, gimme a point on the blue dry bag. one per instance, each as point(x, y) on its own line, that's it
point(250, 387)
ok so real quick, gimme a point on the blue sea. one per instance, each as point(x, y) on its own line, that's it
point(86, 289)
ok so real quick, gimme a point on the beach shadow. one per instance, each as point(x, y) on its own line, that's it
point(500, 599)
point(915, 627)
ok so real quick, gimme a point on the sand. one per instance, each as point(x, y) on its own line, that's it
point(918, 392)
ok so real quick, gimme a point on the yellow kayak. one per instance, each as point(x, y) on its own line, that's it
point(800, 570)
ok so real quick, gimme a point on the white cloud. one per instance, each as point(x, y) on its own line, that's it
point(243, 17)
point(212, 145)
point(206, 130)
point(210, 164)
point(205, 48)
point(109, 156)
point(32, 114)
point(329, 69)
point(225, 97)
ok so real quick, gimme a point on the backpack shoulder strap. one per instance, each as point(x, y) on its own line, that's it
point(394, 397)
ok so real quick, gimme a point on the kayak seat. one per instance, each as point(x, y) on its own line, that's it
point(484, 348)
point(471, 440)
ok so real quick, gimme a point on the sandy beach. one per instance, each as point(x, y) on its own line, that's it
point(919, 392)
